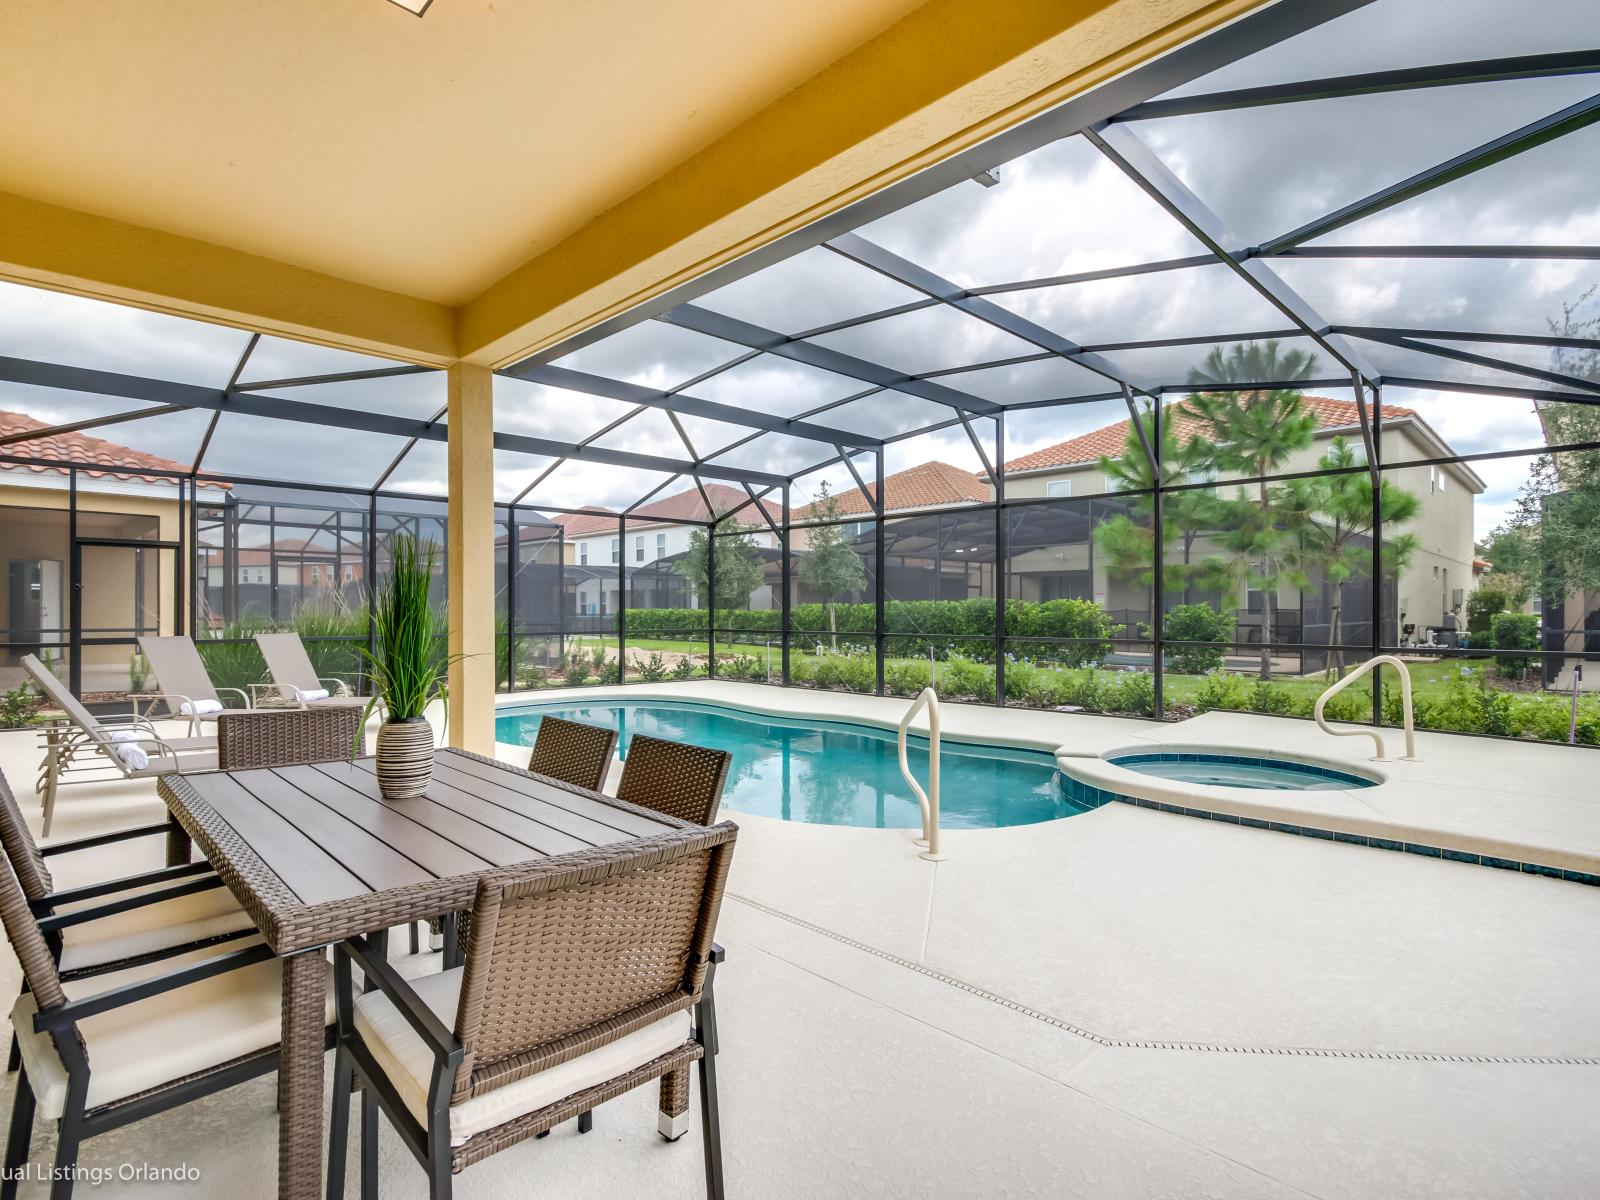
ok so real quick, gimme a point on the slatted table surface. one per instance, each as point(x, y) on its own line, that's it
point(316, 854)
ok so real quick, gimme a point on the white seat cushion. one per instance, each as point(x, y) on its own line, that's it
point(160, 1039)
point(408, 1061)
point(135, 931)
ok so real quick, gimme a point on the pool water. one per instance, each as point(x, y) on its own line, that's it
point(829, 773)
point(1232, 770)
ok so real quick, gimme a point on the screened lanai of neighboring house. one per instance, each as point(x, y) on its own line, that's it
point(1330, 301)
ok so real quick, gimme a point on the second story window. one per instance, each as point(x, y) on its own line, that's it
point(583, 554)
point(638, 549)
point(616, 550)
point(1058, 487)
point(661, 545)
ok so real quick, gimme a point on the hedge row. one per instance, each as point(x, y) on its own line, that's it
point(962, 626)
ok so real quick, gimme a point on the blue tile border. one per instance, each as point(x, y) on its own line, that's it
point(1085, 796)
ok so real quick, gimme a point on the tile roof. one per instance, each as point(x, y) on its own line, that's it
point(668, 510)
point(122, 462)
point(1110, 440)
point(926, 485)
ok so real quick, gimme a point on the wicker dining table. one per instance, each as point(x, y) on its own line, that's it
point(315, 854)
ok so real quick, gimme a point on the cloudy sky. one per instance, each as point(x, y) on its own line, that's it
point(1061, 209)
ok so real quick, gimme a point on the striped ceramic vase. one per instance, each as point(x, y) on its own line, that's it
point(405, 758)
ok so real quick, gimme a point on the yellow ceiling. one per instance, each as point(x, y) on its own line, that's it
point(427, 157)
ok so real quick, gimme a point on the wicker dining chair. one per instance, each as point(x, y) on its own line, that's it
point(573, 752)
point(97, 1055)
point(111, 924)
point(675, 778)
point(578, 984)
point(287, 737)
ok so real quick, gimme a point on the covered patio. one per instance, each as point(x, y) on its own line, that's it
point(1125, 378)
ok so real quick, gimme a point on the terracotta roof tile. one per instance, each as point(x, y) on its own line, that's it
point(668, 510)
point(1109, 441)
point(122, 462)
point(926, 485)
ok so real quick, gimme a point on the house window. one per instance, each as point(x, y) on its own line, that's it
point(583, 554)
point(638, 549)
point(661, 545)
point(1436, 479)
point(616, 550)
point(1538, 606)
point(1206, 473)
point(1058, 487)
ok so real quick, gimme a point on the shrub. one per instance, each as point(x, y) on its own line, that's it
point(1020, 678)
point(961, 678)
point(1495, 593)
point(1347, 706)
point(1513, 631)
point(683, 668)
point(1266, 697)
point(576, 671)
point(1222, 692)
point(652, 669)
point(1132, 692)
point(17, 707)
point(1195, 623)
point(905, 677)
point(1082, 619)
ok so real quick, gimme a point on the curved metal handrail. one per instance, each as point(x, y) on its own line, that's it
point(929, 800)
point(1370, 665)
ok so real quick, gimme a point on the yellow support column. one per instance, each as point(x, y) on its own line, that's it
point(471, 557)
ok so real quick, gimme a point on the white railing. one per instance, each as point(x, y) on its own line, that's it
point(929, 800)
point(1372, 664)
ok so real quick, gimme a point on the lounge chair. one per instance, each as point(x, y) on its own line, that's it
point(185, 684)
point(294, 678)
point(99, 1053)
point(675, 778)
point(577, 987)
point(86, 745)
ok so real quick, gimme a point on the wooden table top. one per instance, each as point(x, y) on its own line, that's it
point(316, 854)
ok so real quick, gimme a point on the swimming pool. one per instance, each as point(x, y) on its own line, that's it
point(829, 773)
point(1240, 771)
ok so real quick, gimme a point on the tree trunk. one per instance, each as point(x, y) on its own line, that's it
point(833, 627)
point(1336, 635)
point(1268, 593)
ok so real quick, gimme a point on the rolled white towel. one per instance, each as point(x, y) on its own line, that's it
point(127, 748)
point(314, 694)
point(200, 708)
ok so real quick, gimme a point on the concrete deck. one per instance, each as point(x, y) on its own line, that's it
point(1122, 1004)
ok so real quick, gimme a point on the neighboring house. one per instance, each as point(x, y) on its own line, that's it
point(600, 555)
point(127, 590)
point(1434, 584)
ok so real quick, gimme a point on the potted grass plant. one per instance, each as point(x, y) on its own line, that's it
point(409, 669)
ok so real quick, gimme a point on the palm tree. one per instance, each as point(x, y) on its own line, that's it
point(1254, 432)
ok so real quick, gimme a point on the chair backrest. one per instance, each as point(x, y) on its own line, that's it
point(573, 752)
point(178, 667)
point(21, 850)
point(563, 958)
point(33, 952)
point(285, 737)
point(288, 663)
point(675, 778)
point(61, 696)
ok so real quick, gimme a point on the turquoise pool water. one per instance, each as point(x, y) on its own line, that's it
point(1235, 770)
point(829, 773)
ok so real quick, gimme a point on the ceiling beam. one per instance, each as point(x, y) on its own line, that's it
point(1136, 160)
point(1484, 360)
point(680, 402)
point(754, 337)
point(192, 396)
point(1507, 145)
point(1367, 83)
point(29, 435)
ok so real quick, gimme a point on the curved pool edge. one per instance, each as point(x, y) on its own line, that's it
point(1340, 815)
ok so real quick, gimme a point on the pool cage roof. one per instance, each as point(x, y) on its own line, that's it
point(1388, 198)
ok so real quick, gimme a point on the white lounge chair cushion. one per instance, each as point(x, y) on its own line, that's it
point(135, 931)
point(408, 1061)
point(165, 1037)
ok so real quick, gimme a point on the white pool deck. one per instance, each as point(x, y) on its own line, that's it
point(1126, 1003)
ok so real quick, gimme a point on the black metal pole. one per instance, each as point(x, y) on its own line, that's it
point(786, 603)
point(513, 562)
point(1158, 581)
point(711, 600)
point(75, 593)
point(622, 600)
point(1375, 638)
point(1002, 566)
point(882, 507)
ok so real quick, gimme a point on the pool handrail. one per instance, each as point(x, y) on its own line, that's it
point(929, 800)
point(1370, 665)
